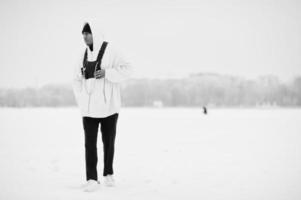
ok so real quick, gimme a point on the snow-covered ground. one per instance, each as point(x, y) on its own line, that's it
point(233, 154)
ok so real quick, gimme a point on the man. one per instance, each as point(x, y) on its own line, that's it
point(96, 86)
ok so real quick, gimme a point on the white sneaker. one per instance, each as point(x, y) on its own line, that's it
point(91, 186)
point(109, 181)
point(87, 183)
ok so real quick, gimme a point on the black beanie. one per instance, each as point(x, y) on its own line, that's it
point(86, 28)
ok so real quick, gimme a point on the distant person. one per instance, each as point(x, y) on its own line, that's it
point(96, 87)
point(205, 110)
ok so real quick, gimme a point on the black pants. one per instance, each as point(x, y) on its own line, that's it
point(108, 130)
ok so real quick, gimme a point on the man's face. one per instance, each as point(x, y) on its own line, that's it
point(88, 38)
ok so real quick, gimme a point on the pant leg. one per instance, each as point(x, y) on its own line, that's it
point(91, 130)
point(108, 130)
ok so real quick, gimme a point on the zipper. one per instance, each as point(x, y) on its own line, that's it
point(93, 88)
point(104, 90)
point(89, 104)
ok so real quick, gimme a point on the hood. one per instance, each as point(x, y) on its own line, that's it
point(97, 34)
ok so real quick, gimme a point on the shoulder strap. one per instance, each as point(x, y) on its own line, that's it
point(84, 62)
point(100, 54)
point(85, 58)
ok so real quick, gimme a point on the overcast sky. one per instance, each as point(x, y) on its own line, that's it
point(40, 40)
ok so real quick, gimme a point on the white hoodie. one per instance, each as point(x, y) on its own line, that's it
point(100, 98)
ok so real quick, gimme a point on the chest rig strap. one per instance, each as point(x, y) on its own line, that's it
point(99, 57)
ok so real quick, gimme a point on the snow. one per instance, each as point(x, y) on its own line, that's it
point(169, 153)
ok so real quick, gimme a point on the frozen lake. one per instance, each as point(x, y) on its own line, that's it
point(233, 154)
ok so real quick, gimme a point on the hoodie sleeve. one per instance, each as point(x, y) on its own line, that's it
point(77, 79)
point(121, 69)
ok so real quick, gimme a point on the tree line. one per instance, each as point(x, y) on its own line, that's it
point(197, 90)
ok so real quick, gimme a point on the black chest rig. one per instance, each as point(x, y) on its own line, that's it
point(90, 67)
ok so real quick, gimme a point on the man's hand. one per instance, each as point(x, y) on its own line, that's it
point(100, 74)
